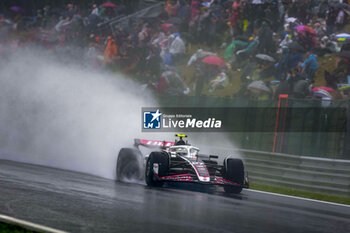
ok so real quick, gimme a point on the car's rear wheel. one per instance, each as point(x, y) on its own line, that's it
point(129, 164)
point(160, 158)
point(233, 171)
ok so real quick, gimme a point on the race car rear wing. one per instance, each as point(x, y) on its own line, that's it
point(152, 143)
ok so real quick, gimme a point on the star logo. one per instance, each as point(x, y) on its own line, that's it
point(152, 119)
point(156, 115)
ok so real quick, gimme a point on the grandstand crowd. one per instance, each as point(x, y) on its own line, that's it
point(257, 48)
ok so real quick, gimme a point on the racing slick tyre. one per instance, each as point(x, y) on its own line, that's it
point(162, 159)
point(129, 164)
point(233, 171)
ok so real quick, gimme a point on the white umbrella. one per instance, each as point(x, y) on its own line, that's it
point(322, 94)
point(291, 20)
point(258, 85)
point(199, 54)
point(265, 57)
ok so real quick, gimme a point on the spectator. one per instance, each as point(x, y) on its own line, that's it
point(172, 7)
point(110, 51)
point(194, 9)
point(294, 59)
point(285, 42)
point(266, 42)
point(235, 12)
point(62, 24)
point(219, 82)
point(331, 17)
point(340, 20)
point(176, 49)
point(320, 30)
point(94, 10)
point(149, 43)
point(310, 65)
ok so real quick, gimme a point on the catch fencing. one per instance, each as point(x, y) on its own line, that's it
point(148, 12)
point(126, 22)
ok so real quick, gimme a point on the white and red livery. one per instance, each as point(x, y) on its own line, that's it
point(179, 162)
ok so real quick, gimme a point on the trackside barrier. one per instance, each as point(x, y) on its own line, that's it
point(319, 175)
point(28, 225)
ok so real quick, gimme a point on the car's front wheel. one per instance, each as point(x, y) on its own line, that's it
point(233, 171)
point(160, 158)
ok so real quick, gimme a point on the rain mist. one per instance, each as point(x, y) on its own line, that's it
point(66, 115)
point(58, 113)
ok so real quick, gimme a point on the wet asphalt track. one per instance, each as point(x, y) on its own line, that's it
point(78, 202)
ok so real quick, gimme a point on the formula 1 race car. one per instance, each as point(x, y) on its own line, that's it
point(179, 162)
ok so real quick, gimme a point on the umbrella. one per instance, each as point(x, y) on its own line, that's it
point(326, 101)
point(342, 36)
point(344, 88)
point(329, 89)
point(199, 54)
point(214, 60)
point(291, 20)
point(345, 54)
point(265, 57)
point(258, 85)
point(295, 45)
point(109, 5)
point(303, 28)
point(17, 9)
point(322, 94)
point(175, 20)
point(206, 4)
point(166, 26)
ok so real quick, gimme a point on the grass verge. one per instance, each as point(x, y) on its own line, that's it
point(6, 227)
point(299, 193)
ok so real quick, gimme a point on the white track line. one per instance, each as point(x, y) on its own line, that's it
point(300, 198)
point(28, 225)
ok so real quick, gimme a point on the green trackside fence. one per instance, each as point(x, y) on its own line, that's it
point(307, 127)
